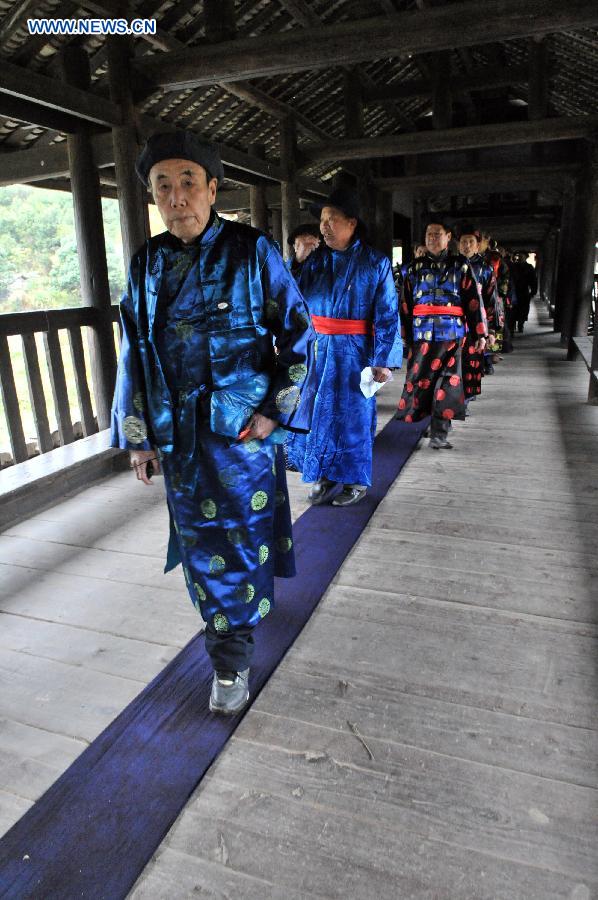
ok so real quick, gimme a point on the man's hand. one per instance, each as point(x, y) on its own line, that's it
point(480, 344)
point(381, 373)
point(260, 427)
point(304, 245)
point(139, 460)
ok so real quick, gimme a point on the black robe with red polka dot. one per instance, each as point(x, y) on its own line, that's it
point(434, 379)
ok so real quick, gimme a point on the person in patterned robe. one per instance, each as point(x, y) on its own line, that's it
point(473, 360)
point(216, 363)
point(441, 303)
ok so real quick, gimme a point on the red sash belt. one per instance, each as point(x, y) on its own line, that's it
point(424, 309)
point(327, 325)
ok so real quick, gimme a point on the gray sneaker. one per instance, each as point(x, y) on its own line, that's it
point(439, 442)
point(230, 692)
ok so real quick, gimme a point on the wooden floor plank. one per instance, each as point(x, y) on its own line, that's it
point(459, 640)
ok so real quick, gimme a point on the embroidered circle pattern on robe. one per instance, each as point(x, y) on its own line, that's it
point(287, 400)
point(209, 508)
point(220, 622)
point(264, 607)
point(134, 429)
point(263, 554)
point(259, 500)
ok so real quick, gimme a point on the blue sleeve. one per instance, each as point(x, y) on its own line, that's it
point(130, 429)
point(290, 397)
point(385, 317)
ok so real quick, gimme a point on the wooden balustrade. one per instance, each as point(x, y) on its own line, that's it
point(49, 323)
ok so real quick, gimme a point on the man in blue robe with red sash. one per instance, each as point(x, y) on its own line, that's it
point(202, 393)
point(353, 302)
point(441, 303)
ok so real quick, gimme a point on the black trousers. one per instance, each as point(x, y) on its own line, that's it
point(230, 651)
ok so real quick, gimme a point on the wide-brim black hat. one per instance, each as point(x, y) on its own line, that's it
point(344, 199)
point(179, 144)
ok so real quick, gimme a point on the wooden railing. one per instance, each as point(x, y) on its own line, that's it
point(50, 323)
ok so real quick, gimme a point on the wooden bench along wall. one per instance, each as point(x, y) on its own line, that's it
point(49, 323)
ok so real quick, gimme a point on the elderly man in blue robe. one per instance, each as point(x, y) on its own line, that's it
point(351, 295)
point(215, 362)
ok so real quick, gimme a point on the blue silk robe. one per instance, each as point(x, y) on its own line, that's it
point(197, 358)
point(356, 283)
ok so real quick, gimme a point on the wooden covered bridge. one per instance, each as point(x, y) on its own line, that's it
point(433, 732)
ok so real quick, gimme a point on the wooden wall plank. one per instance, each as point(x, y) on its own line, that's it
point(36, 393)
point(87, 417)
point(11, 403)
point(59, 389)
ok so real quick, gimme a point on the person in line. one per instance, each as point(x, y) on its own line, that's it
point(441, 301)
point(351, 296)
point(473, 360)
point(503, 285)
point(526, 284)
point(201, 393)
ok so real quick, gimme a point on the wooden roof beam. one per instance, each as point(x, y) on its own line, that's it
point(480, 79)
point(470, 137)
point(348, 43)
point(24, 84)
point(471, 181)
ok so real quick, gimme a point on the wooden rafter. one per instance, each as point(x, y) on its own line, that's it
point(502, 134)
point(348, 43)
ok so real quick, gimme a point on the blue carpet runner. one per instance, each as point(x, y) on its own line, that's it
point(92, 833)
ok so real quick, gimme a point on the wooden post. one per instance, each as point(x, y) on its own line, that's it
point(586, 234)
point(417, 220)
point(353, 101)
point(131, 193)
point(288, 187)
point(442, 101)
point(384, 223)
point(257, 195)
point(91, 246)
point(565, 263)
point(277, 226)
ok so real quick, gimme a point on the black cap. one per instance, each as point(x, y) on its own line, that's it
point(344, 199)
point(179, 144)
point(306, 228)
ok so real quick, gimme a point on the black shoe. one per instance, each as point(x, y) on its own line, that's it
point(439, 442)
point(320, 491)
point(230, 692)
point(349, 495)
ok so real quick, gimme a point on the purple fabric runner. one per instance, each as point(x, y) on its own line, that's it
point(92, 833)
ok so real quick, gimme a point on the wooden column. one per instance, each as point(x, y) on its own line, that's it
point(277, 226)
point(257, 195)
point(353, 102)
point(132, 196)
point(442, 101)
point(586, 233)
point(565, 263)
point(384, 223)
point(417, 220)
point(91, 246)
point(288, 187)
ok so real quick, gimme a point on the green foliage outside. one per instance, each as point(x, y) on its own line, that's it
point(38, 250)
point(39, 269)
